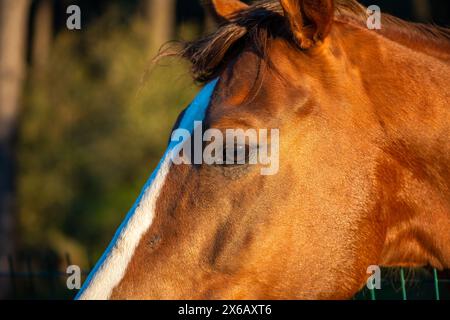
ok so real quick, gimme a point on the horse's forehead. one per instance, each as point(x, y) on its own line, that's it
point(235, 110)
point(243, 90)
point(237, 79)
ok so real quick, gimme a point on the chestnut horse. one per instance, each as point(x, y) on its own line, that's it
point(364, 176)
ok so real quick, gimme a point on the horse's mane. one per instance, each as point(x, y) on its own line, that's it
point(263, 20)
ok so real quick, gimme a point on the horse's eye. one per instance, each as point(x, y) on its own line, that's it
point(238, 154)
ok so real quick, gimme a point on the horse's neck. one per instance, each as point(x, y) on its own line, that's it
point(411, 101)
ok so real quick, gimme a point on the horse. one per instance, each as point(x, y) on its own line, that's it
point(364, 161)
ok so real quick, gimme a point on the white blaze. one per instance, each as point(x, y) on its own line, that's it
point(112, 266)
point(117, 257)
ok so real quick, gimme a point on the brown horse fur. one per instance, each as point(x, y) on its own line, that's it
point(226, 9)
point(364, 178)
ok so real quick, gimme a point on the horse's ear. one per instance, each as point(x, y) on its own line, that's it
point(227, 8)
point(309, 20)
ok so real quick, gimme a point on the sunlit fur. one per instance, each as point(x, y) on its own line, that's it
point(364, 179)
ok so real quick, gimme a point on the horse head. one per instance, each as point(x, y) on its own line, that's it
point(354, 126)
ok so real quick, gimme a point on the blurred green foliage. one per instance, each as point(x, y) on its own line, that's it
point(92, 132)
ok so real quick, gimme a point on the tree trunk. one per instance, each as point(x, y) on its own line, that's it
point(422, 10)
point(13, 31)
point(42, 34)
point(161, 18)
